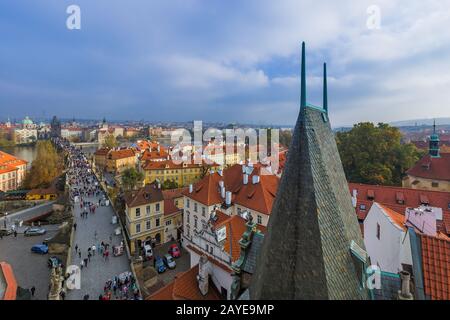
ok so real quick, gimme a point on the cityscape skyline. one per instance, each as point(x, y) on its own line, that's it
point(212, 63)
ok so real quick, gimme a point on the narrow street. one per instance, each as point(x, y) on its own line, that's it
point(93, 229)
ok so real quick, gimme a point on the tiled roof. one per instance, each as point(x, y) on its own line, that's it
point(436, 267)
point(169, 164)
point(101, 152)
point(389, 196)
point(395, 217)
point(147, 194)
point(185, 287)
point(432, 168)
point(174, 193)
point(169, 207)
point(258, 197)
point(154, 154)
point(121, 154)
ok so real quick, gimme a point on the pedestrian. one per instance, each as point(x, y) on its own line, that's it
point(86, 262)
point(89, 256)
point(75, 226)
point(95, 235)
point(79, 254)
point(76, 248)
point(15, 234)
point(106, 255)
point(93, 249)
point(81, 264)
point(86, 297)
point(33, 290)
point(63, 295)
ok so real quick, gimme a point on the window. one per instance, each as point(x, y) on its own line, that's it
point(168, 222)
point(188, 231)
point(362, 207)
point(138, 212)
point(157, 222)
point(435, 184)
point(211, 249)
point(259, 219)
point(147, 209)
point(157, 207)
point(195, 207)
point(204, 211)
point(188, 217)
point(239, 211)
point(207, 248)
point(187, 203)
point(378, 231)
point(138, 228)
point(176, 203)
point(148, 225)
point(195, 222)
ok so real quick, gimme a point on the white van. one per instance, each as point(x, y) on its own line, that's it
point(148, 252)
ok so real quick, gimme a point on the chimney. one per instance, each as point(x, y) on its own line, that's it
point(222, 191)
point(404, 293)
point(203, 275)
point(228, 198)
point(255, 179)
point(221, 183)
point(159, 185)
point(191, 188)
point(245, 178)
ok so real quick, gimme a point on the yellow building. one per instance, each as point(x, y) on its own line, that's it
point(144, 210)
point(42, 194)
point(119, 160)
point(183, 174)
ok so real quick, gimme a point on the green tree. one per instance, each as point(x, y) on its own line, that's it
point(110, 142)
point(45, 168)
point(375, 154)
point(169, 184)
point(131, 178)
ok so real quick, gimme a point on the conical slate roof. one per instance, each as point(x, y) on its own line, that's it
point(306, 251)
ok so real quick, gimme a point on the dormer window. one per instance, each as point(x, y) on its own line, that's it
point(362, 207)
point(400, 198)
point(424, 200)
point(370, 195)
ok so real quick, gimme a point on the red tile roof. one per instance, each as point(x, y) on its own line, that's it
point(150, 193)
point(396, 218)
point(432, 168)
point(258, 197)
point(174, 193)
point(169, 207)
point(389, 196)
point(185, 287)
point(436, 267)
point(121, 154)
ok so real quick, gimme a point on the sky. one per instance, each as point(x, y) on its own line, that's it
point(225, 61)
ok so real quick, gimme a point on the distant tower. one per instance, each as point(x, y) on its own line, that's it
point(313, 248)
point(55, 127)
point(434, 143)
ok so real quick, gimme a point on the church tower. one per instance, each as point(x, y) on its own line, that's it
point(434, 143)
point(313, 248)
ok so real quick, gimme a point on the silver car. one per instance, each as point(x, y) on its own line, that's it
point(34, 232)
point(169, 262)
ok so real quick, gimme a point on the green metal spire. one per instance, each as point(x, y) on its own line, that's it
point(325, 93)
point(434, 149)
point(303, 80)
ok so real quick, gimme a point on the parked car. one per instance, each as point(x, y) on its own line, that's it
point(54, 262)
point(5, 232)
point(39, 248)
point(168, 260)
point(34, 232)
point(159, 264)
point(148, 252)
point(174, 251)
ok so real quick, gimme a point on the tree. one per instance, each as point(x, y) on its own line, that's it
point(374, 154)
point(110, 142)
point(131, 178)
point(169, 184)
point(45, 168)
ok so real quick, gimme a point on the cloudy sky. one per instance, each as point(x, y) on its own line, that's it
point(224, 60)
